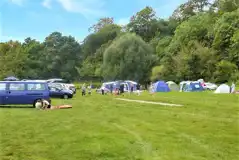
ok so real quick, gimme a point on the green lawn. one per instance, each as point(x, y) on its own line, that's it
point(103, 128)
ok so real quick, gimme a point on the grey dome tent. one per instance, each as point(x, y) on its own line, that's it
point(173, 86)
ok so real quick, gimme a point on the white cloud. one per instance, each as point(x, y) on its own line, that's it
point(47, 3)
point(17, 2)
point(88, 8)
point(123, 21)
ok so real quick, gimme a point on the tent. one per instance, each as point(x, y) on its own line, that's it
point(11, 79)
point(173, 86)
point(182, 85)
point(129, 84)
point(116, 84)
point(224, 88)
point(192, 87)
point(160, 86)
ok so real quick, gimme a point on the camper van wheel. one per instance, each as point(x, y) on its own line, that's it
point(65, 96)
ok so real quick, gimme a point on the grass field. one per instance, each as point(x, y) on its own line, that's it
point(103, 128)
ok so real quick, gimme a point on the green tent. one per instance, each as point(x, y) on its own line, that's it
point(173, 86)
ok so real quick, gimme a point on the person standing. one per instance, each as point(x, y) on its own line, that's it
point(83, 88)
point(89, 89)
point(138, 89)
point(132, 88)
point(121, 88)
point(111, 88)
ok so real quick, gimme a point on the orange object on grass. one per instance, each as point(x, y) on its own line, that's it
point(61, 107)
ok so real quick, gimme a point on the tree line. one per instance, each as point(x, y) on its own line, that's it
point(199, 40)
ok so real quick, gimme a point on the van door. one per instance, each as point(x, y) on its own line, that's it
point(15, 93)
point(3, 92)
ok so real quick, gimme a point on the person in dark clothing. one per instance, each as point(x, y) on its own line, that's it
point(121, 89)
point(111, 88)
point(138, 89)
point(132, 89)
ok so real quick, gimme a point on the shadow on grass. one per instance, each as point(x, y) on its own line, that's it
point(9, 106)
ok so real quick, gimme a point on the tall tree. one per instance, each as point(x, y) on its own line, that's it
point(191, 8)
point(95, 40)
point(61, 55)
point(224, 30)
point(128, 57)
point(33, 65)
point(101, 24)
point(12, 59)
point(144, 24)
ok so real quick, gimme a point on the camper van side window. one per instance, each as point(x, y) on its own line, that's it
point(2, 86)
point(17, 87)
point(36, 87)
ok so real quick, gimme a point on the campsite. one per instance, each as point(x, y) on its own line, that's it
point(119, 80)
point(201, 125)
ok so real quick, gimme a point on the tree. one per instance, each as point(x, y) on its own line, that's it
point(224, 30)
point(234, 48)
point(225, 71)
point(162, 45)
point(144, 24)
point(33, 65)
point(128, 57)
point(61, 55)
point(95, 40)
point(223, 6)
point(12, 59)
point(197, 28)
point(157, 73)
point(101, 24)
point(191, 8)
point(196, 61)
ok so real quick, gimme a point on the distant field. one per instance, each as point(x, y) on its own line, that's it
point(103, 128)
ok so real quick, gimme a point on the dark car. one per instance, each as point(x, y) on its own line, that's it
point(60, 93)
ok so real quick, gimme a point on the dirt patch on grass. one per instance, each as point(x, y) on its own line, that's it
point(150, 102)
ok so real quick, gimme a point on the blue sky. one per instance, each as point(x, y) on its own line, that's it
point(38, 18)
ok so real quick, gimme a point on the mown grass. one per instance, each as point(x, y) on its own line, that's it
point(103, 128)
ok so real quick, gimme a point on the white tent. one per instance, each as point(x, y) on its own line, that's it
point(224, 88)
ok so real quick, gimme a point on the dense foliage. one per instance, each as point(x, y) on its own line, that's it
point(199, 40)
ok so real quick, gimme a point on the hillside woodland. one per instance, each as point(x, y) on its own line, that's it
point(199, 40)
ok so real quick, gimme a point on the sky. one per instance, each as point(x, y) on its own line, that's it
point(20, 19)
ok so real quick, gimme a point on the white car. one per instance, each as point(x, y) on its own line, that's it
point(210, 86)
point(60, 86)
point(63, 81)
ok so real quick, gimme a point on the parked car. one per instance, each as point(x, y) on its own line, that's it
point(60, 86)
point(210, 86)
point(23, 92)
point(57, 92)
point(67, 82)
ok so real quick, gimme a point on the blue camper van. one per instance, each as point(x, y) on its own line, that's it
point(23, 92)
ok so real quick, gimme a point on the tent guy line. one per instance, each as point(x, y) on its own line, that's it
point(150, 102)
